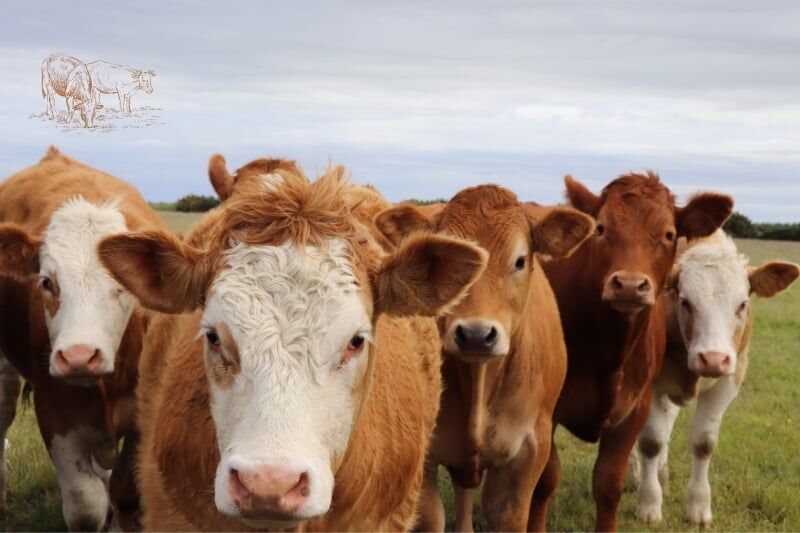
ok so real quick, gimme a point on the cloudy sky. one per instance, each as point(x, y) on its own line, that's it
point(425, 98)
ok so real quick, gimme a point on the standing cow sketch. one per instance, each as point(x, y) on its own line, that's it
point(68, 77)
point(110, 78)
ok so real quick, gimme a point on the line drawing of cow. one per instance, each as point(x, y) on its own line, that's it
point(68, 77)
point(110, 78)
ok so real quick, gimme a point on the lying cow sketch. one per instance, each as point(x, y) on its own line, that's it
point(122, 80)
point(68, 77)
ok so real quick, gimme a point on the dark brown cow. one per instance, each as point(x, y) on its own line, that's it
point(504, 358)
point(607, 291)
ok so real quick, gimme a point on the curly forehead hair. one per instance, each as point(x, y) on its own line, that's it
point(646, 185)
point(290, 208)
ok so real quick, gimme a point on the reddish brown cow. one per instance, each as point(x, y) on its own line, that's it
point(607, 292)
point(309, 397)
point(69, 329)
point(504, 358)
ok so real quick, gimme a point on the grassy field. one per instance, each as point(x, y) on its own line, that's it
point(755, 472)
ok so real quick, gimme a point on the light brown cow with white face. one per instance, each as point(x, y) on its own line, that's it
point(709, 324)
point(293, 392)
point(504, 353)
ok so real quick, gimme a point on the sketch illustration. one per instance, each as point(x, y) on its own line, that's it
point(81, 85)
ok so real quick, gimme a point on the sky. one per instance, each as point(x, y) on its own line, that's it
point(423, 99)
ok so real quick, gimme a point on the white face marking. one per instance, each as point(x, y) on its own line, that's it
point(713, 280)
point(291, 313)
point(93, 309)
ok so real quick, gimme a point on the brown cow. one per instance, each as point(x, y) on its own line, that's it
point(68, 328)
point(709, 322)
point(504, 358)
point(310, 395)
point(607, 292)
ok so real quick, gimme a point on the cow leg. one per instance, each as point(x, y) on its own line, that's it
point(653, 450)
point(123, 491)
point(711, 406)
point(127, 105)
point(10, 385)
point(431, 508)
point(548, 482)
point(51, 101)
point(121, 99)
point(508, 490)
point(611, 466)
point(463, 507)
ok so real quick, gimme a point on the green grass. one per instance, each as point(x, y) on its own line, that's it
point(755, 471)
point(180, 222)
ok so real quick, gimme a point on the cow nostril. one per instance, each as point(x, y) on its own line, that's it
point(238, 489)
point(492, 336)
point(95, 361)
point(726, 361)
point(644, 286)
point(616, 283)
point(460, 336)
point(702, 358)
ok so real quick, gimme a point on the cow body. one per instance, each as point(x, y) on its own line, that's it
point(709, 324)
point(122, 80)
point(63, 206)
point(504, 358)
point(68, 77)
point(613, 323)
point(276, 420)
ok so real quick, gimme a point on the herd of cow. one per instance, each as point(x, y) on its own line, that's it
point(308, 354)
point(82, 83)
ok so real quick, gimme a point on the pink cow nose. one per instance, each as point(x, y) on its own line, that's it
point(269, 492)
point(79, 360)
point(713, 364)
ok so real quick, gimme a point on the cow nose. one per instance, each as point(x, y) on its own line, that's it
point(270, 492)
point(629, 291)
point(477, 338)
point(713, 364)
point(79, 360)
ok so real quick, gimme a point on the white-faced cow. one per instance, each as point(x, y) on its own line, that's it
point(299, 390)
point(70, 329)
point(709, 323)
point(68, 77)
point(122, 80)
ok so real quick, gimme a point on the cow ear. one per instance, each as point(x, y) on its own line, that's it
point(560, 232)
point(427, 275)
point(165, 274)
point(703, 215)
point(221, 179)
point(397, 222)
point(771, 278)
point(580, 197)
point(136, 74)
point(19, 252)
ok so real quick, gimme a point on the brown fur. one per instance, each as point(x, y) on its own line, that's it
point(486, 406)
point(27, 201)
point(226, 184)
point(378, 481)
point(613, 359)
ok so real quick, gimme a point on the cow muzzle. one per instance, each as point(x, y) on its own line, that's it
point(476, 339)
point(629, 292)
point(711, 364)
point(269, 493)
point(79, 364)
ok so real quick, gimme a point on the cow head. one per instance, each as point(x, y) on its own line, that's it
point(85, 309)
point(482, 325)
point(638, 225)
point(144, 80)
point(713, 286)
point(88, 111)
point(288, 295)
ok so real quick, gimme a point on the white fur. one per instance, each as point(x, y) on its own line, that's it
point(82, 480)
point(713, 279)
point(292, 313)
point(94, 309)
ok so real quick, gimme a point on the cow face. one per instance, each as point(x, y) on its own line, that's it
point(482, 325)
point(88, 111)
point(85, 309)
point(144, 79)
point(638, 225)
point(287, 330)
point(713, 287)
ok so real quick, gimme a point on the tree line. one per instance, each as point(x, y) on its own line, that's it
point(742, 227)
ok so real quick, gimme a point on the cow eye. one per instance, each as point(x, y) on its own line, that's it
point(670, 236)
point(355, 344)
point(520, 263)
point(47, 284)
point(213, 338)
point(599, 230)
point(686, 305)
point(741, 308)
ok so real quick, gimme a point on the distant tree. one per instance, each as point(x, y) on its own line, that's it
point(415, 201)
point(740, 226)
point(194, 203)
